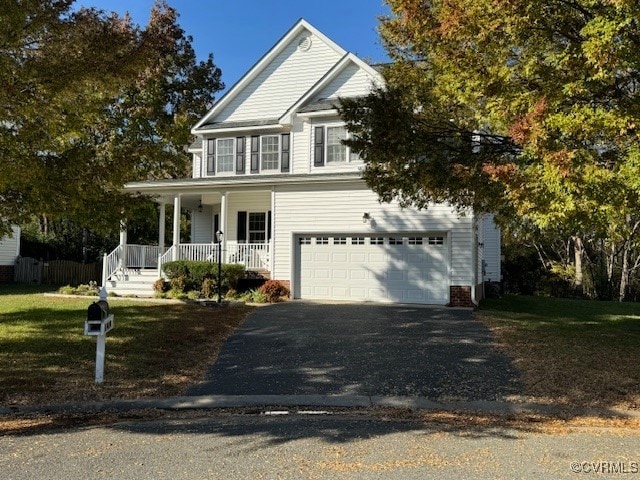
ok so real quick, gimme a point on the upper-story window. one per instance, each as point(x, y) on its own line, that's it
point(221, 154)
point(328, 146)
point(270, 152)
point(249, 154)
point(225, 154)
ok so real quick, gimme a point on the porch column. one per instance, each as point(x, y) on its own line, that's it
point(223, 224)
point(272, 241)
point(161, 228)
point(176, 226)
point(122, 261)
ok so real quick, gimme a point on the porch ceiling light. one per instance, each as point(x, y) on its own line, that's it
point(200, 207)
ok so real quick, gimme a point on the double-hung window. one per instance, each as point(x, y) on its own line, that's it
point(220, 155)
point(225, 154)
point(328, 146)
point(257, 227)
point(270, 152)
point(336, 150)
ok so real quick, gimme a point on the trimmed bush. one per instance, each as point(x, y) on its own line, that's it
point(186, 275)
point(274, 291)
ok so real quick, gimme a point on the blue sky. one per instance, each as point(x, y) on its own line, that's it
point(239, 32)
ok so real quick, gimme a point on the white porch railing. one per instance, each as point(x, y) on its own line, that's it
point(254, 256)
point(137, 256)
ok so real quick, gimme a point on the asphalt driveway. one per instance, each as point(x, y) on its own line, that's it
point(301, 348)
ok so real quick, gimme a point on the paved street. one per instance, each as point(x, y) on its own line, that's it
point(298, 348)
point(316, 447)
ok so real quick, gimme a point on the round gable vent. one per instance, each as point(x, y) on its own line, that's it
point(304, 44)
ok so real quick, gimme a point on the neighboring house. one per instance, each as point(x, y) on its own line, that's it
point(9, 251)
point(270, 172)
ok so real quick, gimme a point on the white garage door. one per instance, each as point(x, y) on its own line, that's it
point(377, 268)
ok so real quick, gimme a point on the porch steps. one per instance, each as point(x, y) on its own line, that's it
point(132, 282)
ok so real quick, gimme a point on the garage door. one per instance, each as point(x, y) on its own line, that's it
point(377, 268)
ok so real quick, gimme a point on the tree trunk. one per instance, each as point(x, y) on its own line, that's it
point(578, 253)
point(624, 276)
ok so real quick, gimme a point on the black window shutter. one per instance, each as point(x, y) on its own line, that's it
point(216, 226)
point(284, 163)
point(242, 227)
point(211, 156)
point(255, 154)
point(240, 155)
point(269, 226)
point(318, 150)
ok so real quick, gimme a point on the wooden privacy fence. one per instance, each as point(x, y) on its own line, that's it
point(56, 272)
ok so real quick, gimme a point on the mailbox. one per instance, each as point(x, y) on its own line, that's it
point(98, 321)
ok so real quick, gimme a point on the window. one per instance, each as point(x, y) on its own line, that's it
point(270, 152)
point(340, 241)
point(322, 241)
point(377, 241)
point(305, 241)
point(225, 154)
point(336, 151)
point(328, 146)
point(395, 241)
point(436, 240)
point(415, 240)
point(357, 241)
point(257, 227)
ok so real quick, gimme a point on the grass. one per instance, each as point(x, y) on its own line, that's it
point(578, 353)
point(155, 349)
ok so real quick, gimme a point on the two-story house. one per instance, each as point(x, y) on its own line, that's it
point(270, 171)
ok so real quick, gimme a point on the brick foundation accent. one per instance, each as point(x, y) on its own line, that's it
point(460, 296)
point(6, 273)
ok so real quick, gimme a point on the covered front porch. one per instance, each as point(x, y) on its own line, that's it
point(233, 226)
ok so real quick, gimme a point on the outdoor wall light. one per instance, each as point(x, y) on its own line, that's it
point(366, 217)
point(200, 207)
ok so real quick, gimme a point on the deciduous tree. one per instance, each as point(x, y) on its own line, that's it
point(540, 100)
point(91, 101)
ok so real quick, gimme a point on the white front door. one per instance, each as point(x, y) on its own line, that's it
point(385, 268)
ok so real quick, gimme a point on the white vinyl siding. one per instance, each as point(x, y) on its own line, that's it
point(270, 152)
point(202, 225)
point(352, 81)
point(491, 249)
point(283, 81)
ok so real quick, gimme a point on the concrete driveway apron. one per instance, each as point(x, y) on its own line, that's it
point(299, 348)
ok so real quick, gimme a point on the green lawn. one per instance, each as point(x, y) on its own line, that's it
point(155, 349)
point(574, 352)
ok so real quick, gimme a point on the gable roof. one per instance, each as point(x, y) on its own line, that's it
point(299, 27)
point(328, 103)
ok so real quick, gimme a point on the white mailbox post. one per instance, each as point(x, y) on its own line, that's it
point(98, 323)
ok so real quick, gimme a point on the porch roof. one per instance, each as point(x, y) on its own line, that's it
point(160, 187)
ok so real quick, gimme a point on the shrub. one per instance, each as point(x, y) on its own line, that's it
point(179, 283)
point(209, 288)
point(254, 296)
point(175, 269)
point(83, 289)
point(274, 291)
point(231, 275)
point(195, 273)
point(161, 286)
